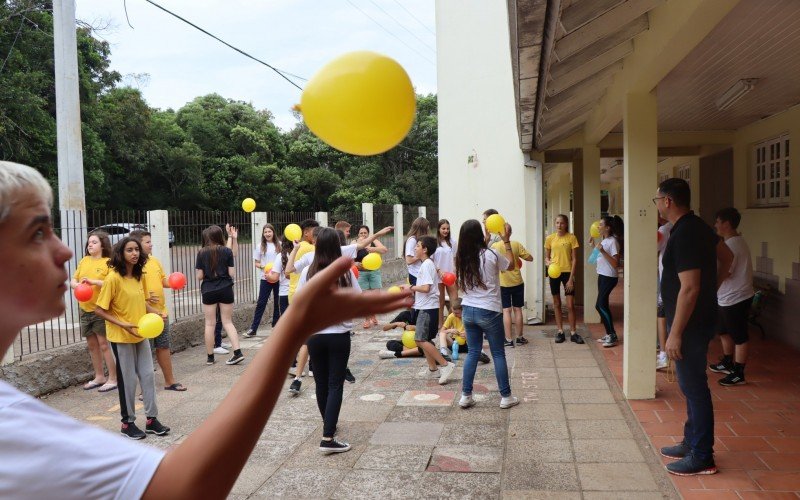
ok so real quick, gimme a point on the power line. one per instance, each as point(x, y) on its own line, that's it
point(423, 42)
point(19, 30)
point(282, 73)
point(386, 30)
point(415, 18)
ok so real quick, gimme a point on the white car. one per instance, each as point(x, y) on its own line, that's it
point(120, 230)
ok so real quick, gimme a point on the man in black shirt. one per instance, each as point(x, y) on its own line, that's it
point(689, 285)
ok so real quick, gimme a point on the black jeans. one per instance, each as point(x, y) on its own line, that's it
point(264, 291)
point(329, 353)
point(698, 431)
point(605, 284)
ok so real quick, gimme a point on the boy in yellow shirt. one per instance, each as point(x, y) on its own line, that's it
point(452, 331)
point(512, 291)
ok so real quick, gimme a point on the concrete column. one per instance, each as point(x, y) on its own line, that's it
point(579, 227)
point(9, 357)
point(640, 143)
point(257, 222)
point(367, 216)
point(322, 218)
point(591, 213)
point(533, 236)
point(398, 230)
point(423, 212)
point(158, 225)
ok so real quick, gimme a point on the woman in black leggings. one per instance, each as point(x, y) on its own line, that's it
point(610, 249)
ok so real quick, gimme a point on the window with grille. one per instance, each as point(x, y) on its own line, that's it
point(685, 173)
point(662, 177)
point(771, 171)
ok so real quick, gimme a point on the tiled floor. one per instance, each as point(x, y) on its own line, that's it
point(757, 425)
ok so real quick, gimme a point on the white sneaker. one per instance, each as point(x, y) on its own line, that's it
point(662, 361)
point(386, 354)
point(220, 350)
point(509, 402)
point(446, 372)
point(466, 401)
point(226, 345)
point(603, 339)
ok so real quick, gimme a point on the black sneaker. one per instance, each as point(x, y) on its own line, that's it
point(692, 466)
point(333, 446)
point(560, 337)
point(237, 358)
point(348, 375)
point(522, 341)
point(508, 343)
point(294, 388)
point(130, 430)
point(250, 333)
point(484, 358)
point(576, 338)
point(155, 427)
point(680, 450)
point(723, 366)
point(732, 379)
point(611, 341)
point(210, 359)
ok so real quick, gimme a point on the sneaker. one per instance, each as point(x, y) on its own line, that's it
point(130, 430)
point(348, 375)
point(723, 366)
point(386, 354)
point(444, 352)
point(603, 338)
point(680, 450)
point(484, 358)
point(225, 345)
point(446, 373)
point(220, 350)
point(692, 466)
point(210, 359)
point(509, 402)
point(250, 333)
point(611, 342)
point(333, 446)
point(235, 359)
point(294, 389)
point(155, 427)
point(578, 339)
point(732, 379)
point(560, 337)
point(508, 343)
point(662, 361)
point(466, 401)
point(522, 341)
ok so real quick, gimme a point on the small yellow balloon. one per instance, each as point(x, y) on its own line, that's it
point(150, 326)
point(461, 340)
point(248, 204)
point(361, 103)
point(408, 339)
point(594, 229)
point(394, 289)
point(554, 271)
point(293, 232)
point(495, 223)
point(372, 262)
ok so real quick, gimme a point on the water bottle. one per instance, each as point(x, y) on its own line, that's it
point(594, 256)
point(455, 350)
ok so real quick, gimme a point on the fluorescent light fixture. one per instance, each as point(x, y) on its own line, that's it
point(736, 92)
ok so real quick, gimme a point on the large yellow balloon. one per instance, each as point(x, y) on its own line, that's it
point(594, 229)
point(554, 271)
point(495, 223)
point(372, 262)
point(293, 232)
point(394, 289)
point(408, 339)
point(248, 204)
point(150, 326)
point(361, 103)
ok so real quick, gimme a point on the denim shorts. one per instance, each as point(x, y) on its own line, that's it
point(513, 296)
point(370, 280)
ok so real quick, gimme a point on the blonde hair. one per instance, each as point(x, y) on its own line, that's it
point(15, 177)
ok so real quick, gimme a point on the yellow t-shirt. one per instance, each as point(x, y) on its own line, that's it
point(93, 269)
point(453, 321)
point(123, 298)
point(513, 277)
point(305, 247)
point(561, 250)
point(153, 275)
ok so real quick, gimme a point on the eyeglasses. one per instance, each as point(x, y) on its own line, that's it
point(655, 200)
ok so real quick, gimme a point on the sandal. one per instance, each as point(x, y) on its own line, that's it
point(367, 324)
point(88, 386)
point(107, 387)
point(175, 387)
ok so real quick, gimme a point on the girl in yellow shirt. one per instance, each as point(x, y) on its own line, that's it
point(561, 248)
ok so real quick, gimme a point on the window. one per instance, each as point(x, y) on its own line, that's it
point(685, 173)
point(771, 171)
point(662, 177)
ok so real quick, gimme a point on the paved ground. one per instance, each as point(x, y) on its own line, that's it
point(571, 437)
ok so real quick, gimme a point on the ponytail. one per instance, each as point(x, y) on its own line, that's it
point(619, 232)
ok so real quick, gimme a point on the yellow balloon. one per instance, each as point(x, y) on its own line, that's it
point(361, 103)
point(461, 340)
point(150, 325)
point(394, 289)
point(372, 262)
point(554, 271)
point(248, 204)
point(293, 232)
point(408, 339)
point(495, 223)
point(594, 229)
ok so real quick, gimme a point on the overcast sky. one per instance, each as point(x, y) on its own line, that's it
point(298, 36)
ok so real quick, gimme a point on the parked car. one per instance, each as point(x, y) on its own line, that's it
point(119, 230)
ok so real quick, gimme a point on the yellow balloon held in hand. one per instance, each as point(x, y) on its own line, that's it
point(554, 271)
point(372, 262)
point(408, 339)
point(361, 103)
point(150, 326)
point(495, 223)
point(594, 229)
point(293, 232)
point(394, 289)
point(248, 204)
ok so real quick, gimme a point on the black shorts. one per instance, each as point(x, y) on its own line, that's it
point(221, 296)
point(733, 321)
point(555, 285)
point(513, 296)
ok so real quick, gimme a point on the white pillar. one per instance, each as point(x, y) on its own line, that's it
point(322, 218)
point(158, 225)
point(257, 222)
point(534, 239)
point(640, 143)
point(398, 231)
point(423, 212)
point(9, 357)
point(591, 213)
point(367, 216)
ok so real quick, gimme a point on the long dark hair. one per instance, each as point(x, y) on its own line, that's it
point(617, 227)
point(471, 246)
point(439, 238)
point(326, 250)
point(275, 239)
point(117, 261)
point(213, 239)
point(105, 243)
point(286, 249)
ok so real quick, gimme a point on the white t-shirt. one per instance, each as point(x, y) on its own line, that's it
point(445, 257)
point(306, 260)
point(345, 326)
point(739, 285)
point(283, 283)
point(427, 276)
point(491, 265)
point(264, 258)
point(46, 454)
point(604, 267)
point(411, 245)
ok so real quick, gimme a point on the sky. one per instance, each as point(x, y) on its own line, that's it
point(172, 63)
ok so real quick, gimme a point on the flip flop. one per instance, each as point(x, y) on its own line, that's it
point(88, 386)
point(175, 387)
point(107, 388)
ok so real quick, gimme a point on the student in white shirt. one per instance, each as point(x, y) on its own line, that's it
point(610, 248)
point(419, 228)
point(263, 255)
point(662, 361)
point(35, 439)
point(478, 269)
point(445, 260)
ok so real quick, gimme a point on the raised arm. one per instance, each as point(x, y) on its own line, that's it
point(361, 244)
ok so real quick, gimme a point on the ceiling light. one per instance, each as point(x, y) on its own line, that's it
point(736, 92)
